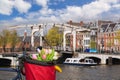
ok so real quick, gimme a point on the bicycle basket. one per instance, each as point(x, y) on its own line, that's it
point(37, 62)
point(39, 70)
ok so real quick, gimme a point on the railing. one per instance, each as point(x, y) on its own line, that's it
point(104, 52)
point(18, 50)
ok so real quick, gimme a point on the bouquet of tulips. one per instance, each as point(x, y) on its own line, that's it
point(46, 55)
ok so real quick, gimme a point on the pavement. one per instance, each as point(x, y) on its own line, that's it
point(5, 75)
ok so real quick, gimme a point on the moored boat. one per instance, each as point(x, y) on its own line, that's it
point(80, 62)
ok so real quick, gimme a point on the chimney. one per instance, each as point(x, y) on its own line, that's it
point(81, 23)
point(70, 22)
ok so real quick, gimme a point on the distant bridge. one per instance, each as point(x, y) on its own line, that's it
point(101, 58)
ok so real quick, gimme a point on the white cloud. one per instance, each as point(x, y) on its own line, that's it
point(42, 3)
point(74, 10)
point(3, 24)
point(6, 7)
point(22, 6)
point(56, 2)
point(109, 1)
point(93, 10)
point(33, 15)
point(19, 19)
point(116, 6)
point(46, 11)
point(88, 11)
point(51, 19)
point(60, 0)
point(70, 13)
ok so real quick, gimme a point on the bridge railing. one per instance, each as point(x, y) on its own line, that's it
point(101, 52)
point(9, 50)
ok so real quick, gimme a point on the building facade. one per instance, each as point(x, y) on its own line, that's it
point(104, 34)
point(107, 37)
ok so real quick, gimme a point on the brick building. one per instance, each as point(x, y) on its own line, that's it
point(107, 36)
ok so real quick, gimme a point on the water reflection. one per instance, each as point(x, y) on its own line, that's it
point(89, 73)
point(80, 73)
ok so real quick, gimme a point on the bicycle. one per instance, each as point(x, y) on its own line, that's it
point(19, 69)
point(25, 59)
point(16, 68)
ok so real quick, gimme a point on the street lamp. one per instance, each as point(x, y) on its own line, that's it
point(102, 44)
point(61, 29)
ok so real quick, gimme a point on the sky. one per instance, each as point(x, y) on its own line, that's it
point(18, 12)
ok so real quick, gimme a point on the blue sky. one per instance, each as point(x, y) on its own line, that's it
point(17, 12)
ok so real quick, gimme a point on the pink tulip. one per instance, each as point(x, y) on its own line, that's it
point(50, 50)
point(46, 51)
point(34, 56)
point(44, 56)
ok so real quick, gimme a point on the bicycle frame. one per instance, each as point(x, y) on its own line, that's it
point(17, 69)
point(13, 69)
point(17, 77)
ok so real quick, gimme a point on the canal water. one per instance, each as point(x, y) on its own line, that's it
point(101, 72)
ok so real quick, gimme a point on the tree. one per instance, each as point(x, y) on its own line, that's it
point(92, 44)
point(8, 37)
point(13, 39)
point(54, 37)
point(4, 39)
point(117, 36)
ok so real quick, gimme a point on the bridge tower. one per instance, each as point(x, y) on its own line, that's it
point(72, 30)
point(36, 28)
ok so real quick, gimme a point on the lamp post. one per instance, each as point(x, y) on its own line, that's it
point(102, 44)
point(24, 42)
point(61, 29)
point(40, 30)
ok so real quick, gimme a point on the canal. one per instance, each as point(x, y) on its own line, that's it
point(101, 72)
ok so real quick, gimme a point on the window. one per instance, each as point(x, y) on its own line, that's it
point(75, 61)
point(86, 61)
point(68, 61)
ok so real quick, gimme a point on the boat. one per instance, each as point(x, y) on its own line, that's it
point(80, 62)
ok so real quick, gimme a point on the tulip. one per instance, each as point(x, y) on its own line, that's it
point(56, 54)
point(38, 50)
point(34, 56)
point(46, 51)
point(55, 57)
point(50, 50)
point(44, 56)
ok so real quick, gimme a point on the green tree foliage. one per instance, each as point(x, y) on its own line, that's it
point(4, 38)
point(110, 43)
point(117, 36)
point(92, 44)
point(13, 39)
point(8, 37)
point(54, 37)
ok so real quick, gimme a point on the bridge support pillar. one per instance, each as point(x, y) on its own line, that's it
point(110, 61)
point(103, 61)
